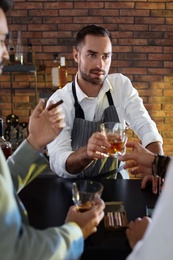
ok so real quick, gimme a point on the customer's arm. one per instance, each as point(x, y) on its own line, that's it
point(26, 242)
point(21, 241)
point(27, 162)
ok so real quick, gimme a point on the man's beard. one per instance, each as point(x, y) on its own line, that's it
point(94, 81)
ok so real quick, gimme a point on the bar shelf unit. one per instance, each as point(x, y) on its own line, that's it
point(29, 68)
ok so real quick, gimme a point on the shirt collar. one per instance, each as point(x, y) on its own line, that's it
point(81, 95)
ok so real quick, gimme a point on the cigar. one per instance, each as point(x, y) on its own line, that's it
point(111, 219)
point(123, 218)
point(106, 221)
point(119, 219)
point(54, 105)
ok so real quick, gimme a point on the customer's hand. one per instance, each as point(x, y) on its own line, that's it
point(156, 183)
point(88, 220)
point(136, 230)
point(44, 125)
point(138, 161)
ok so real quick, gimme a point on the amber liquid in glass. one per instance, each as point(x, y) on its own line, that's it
point(115, 147)
point(85, 206)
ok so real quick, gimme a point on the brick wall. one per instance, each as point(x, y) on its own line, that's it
point(142, 44)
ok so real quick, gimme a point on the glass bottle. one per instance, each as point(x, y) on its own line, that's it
point(30, 55)
point(11, 49)
point(55, 73)
point(62, 73)
point(19, 49)
point(5, 146)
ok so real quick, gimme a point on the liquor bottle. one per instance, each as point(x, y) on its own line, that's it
point(30, 55)
point(55, 73)
point(11, 49)
point(62, 73)
point(5, 146)
point(19, 49)
point(14, 137)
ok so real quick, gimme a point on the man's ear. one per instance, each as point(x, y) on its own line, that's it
point(75, 54)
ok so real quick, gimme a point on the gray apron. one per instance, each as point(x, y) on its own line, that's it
point(82, 131)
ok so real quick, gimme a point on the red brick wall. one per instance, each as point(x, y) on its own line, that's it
point(142, 44)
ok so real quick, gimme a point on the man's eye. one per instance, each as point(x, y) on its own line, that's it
point(92, 55)
point(107, 56)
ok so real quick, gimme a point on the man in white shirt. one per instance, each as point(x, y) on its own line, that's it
point(92, 98)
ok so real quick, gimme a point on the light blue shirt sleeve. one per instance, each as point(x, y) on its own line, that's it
point(19, 240)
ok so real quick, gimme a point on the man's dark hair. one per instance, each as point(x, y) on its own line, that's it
point(92, 29)
point(6, 5)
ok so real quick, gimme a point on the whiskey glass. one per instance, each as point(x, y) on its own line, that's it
point(85, 194)
point(116, 134)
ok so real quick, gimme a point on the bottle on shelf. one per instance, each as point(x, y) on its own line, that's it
point(62, 73)
point(19, 49)
point(5, 145)
point(14, 137)
point(55, 73)
point(11, 49)
point(30, 55)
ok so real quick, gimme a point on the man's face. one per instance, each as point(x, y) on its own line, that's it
point(94, 58)
point(3, 33)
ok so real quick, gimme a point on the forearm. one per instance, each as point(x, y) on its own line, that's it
point(155, 147)
point(78, 161)
point(64, 242)
point(25, 164)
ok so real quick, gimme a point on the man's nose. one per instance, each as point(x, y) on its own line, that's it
point(99, 62)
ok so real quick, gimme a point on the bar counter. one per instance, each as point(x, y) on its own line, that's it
point(48, 198)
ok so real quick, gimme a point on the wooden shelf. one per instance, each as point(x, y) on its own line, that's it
point(20, 68)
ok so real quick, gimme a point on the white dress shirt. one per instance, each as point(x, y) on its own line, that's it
point(129, 107)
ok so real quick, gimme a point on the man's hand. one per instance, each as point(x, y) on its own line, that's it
point(88, 220)
point(155, 181)
point(138, 161)
point(44, 125)
point(97, 144)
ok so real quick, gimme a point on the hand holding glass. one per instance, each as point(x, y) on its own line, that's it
point(85, 194)
point(116, 134)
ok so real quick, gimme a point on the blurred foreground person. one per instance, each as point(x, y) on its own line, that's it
point(146, 235)
point(152, 238)
point(18, 239)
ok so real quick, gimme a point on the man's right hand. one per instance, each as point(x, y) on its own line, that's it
point(97, 144)
point(88, 220)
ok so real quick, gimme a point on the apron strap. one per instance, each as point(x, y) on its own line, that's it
point(78, 110)
point(109, 97)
